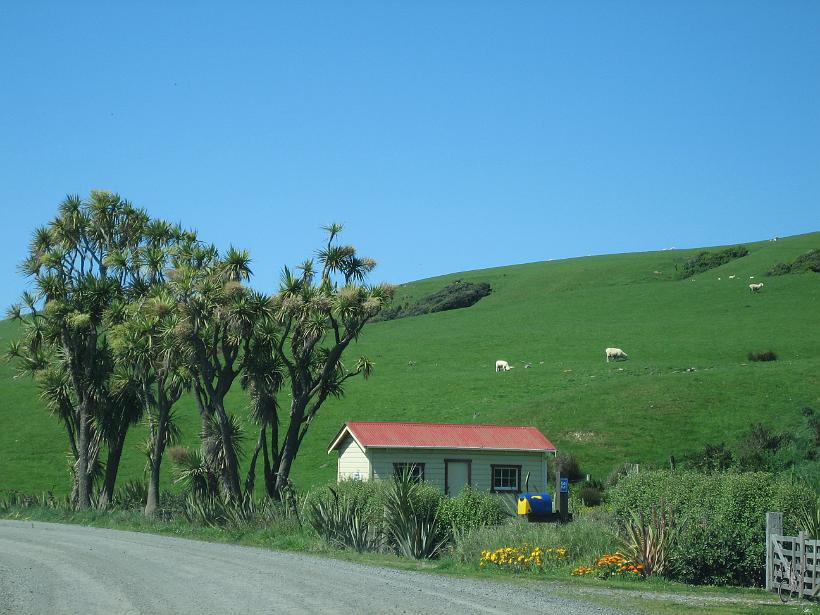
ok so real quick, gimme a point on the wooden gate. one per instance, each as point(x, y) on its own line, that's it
point(791, 559)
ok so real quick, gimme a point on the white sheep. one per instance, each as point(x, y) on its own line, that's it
point(731, 277)
point(755, 287)
point(502, 366)
point(615, 354)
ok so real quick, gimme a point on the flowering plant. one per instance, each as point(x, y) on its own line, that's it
point(610, 565)
point(524, 557)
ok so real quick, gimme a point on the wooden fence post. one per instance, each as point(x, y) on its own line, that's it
point(801, 540)
point(774, 525)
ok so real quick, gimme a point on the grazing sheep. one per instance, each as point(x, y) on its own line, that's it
point(615, 354)
point(502, 366)
point(755, 287)
point(731, 277)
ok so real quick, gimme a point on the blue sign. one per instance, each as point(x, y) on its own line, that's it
point(564, 485)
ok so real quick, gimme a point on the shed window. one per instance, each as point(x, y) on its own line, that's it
point(416, 470)
point(506, 478)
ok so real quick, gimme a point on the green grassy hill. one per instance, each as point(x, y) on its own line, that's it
point(558, 315)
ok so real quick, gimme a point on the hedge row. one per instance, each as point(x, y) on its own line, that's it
point(720, 519)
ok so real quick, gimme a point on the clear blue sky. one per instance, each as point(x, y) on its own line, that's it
point(446, 135)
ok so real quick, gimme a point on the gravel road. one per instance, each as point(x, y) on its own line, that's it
point(52, 568)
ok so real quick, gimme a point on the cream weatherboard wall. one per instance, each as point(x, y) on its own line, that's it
point(353, 462)
point(534, 463)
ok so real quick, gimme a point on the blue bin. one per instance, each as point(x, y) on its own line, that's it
point(539, 503)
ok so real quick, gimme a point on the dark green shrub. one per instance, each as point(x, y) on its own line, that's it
point(713, 458)
point(368, 496)
point(810, 261)
point(764, 449)
point(721, 517)
point(569, 466)
point(590, 495)
point(470, 510)
point(459, 294)
point(769, 355)
point(779, 269)
point(706, 260)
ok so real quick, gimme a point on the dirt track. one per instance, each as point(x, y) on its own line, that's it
point(51, 568)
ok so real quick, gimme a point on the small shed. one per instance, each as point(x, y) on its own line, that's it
point(497, 458)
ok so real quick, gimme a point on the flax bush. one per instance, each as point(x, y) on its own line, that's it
point(343, 521)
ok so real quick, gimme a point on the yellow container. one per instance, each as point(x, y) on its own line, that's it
point(523, 506)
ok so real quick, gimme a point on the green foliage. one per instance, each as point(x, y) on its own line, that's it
point(224, 512)
point(458, 294)
point(713, 457)
point(412, 518)
point(471, 509)
point(590, 495)
point(568, 465)
point(16, 500)
point(808, 517)
point(412, 526)
point(761, 448)
point(649, 538)
point(343, 521)
point(193, 472)
point(132, 494)
point(810, 261)
point(722, 516)
point(617, 473)
point(703, 261)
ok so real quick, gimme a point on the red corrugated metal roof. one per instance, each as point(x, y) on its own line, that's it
point(432, 435)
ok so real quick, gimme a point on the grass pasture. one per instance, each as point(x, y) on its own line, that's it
point(559, 316)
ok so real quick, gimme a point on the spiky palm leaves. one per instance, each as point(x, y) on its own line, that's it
point(648, 539)
point(808, 517)
point(147, 340)
point(96, 254)
point(317, 320)
point(194, 472)
point(262, 378)
point(342, 521)
point(218, 320)
point(413, 532)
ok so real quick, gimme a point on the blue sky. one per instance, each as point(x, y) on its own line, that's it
point(446, 135)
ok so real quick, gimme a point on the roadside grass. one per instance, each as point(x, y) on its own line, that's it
point(559, 316)
point(652, 595)
point(667, 606)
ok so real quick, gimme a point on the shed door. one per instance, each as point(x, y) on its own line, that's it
point(456, 475)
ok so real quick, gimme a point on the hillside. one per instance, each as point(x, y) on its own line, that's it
point(559, 316)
